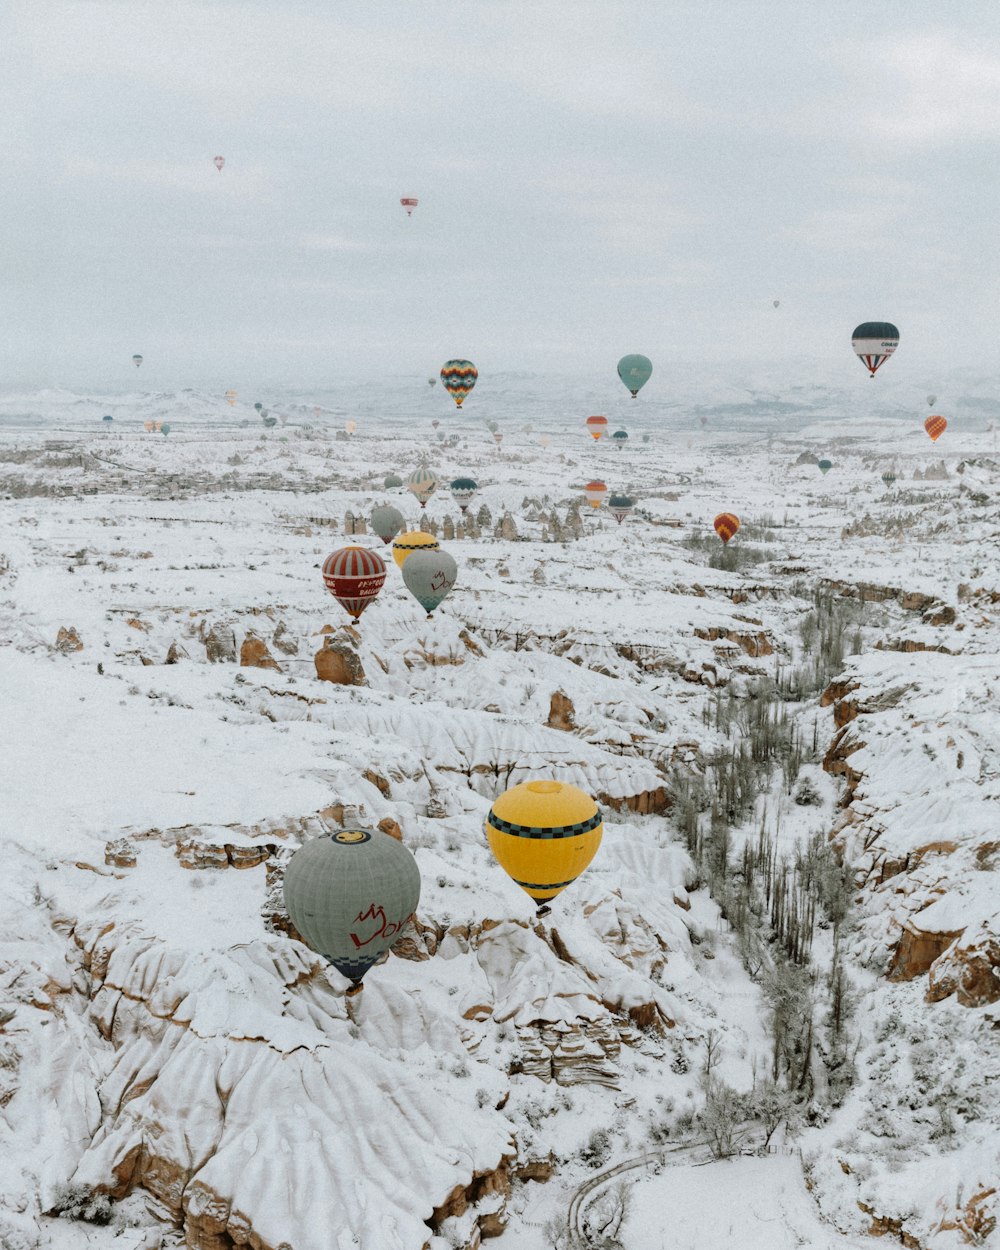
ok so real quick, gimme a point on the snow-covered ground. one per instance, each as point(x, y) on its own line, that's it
point(172, 1061)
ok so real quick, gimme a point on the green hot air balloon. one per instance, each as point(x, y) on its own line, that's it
point(463, 490)
point(825, 466)
point(349, 894)
point(392, 481)
point(429, 576)
point(888, 477)
point(620, 506)
point(387, 522)
point(258, 406)
point(165, 428)
point(620, 438)
point(635, 372)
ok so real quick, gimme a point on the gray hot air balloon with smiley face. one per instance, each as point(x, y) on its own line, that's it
point(349, 894)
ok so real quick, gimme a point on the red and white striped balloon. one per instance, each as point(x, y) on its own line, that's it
point(354, 576)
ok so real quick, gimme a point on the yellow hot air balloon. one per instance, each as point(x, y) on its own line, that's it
point(544, 834)
point(415, 540)
point(231, 397)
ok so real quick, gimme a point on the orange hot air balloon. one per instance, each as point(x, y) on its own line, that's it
point(935, 427)
point(597, 426)
point(595, 493)
point(726, 524)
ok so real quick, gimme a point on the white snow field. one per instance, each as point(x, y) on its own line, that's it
point(802, 941)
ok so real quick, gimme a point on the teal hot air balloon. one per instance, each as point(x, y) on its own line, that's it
point(620, 506)
point(258, 406)
point(873, 343)
point(458, 377)
point(888, 478)
point(349, 894)
point(387, 522)
point(620, 438)
point(429, 576)
point(463, 491)
point(164, 428)
point(392, 481)
point(825, 466)
point(107, 417)
point(635, 371)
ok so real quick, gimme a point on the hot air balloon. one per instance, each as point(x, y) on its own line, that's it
point(350, 426)
point(231, 397)
point(463, 491)
point(931, 401)
point(635, 372)
point(620, 438)
point(137, 360)
point(435, 423)
point(703, 420)
point(597, 427)
point(825, 466)
point(354, 576)
point(620, 506)
point(935, 427)
point(409, 203)
point(888, 477)
point(414, 540)
point(497, 437)
point(544, 440)
point(218, 162)
point(422, 484)
point(874, 342)
point(645, 438)
point(392, 481)
point(107, 417)
point(387, 521)
point(349, 894)
point(429, 576)
point(441, 436)
point(269, 422)
point(776, 302)
point(258, 406)
point(149, 426)
point(432, 381)
point(317, 411)
point(544, 834)
point(595, 493)
point(726, 524)
point(492, 426)
point(165, 428)
point(458, 377)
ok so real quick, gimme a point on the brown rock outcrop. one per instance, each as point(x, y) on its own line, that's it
point(970, 970)
point(68, 640)
point(120, 853)
point(648, 802)
point(220, 644)
point(391, 827)
point(753, 644)
point(254, 654)
point(561, 712)
point(916, 950)
point(339, 663)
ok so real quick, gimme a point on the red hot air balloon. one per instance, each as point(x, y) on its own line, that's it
point(935, 427)
point(354, 576)
point(597, 426)
point(219, 162)
point(409, 203)
point(726, 524)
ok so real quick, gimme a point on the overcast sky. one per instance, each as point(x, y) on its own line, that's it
point(594, 178)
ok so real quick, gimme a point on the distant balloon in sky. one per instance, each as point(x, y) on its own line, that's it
point(703, 420)
point(595, 493)
point(165, 428)
point(776, 303)
point(387, 521)
point(463, 491)
point(824, 466)
point(349, 894)
point(635, 371)
point(432, 381)
point(726, 524)
point(874, 342)
point(429, 576)
point(218, 162)
point(409, 203)
point(107, 417)
point(258, 405)
point(888, 477)
point(544, 834)
point(935, 427)
point(350, 426)
point(231, 397)
point(620, 506)
point(435, 423)
point(497, 437)
point(392, 480)
point(597, 427)
point(931, 401)
point(354, 576)
point(422, 484)
point(458, 377)
point(620, 438)
point(137, 360)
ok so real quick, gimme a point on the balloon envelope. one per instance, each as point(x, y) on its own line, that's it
point(595, 493)
point(349, 894)
point(354, 576)
point(726, 524)
point(888, 477)
point(931, 401)
point(429, 576)
point(413, 540)
point(597, 426)
point(620, 506)
point(458, 377)
point(825, 466)
point(463, 490)
point(421, 484)
point(137, 360)
point(387, 521)
point(935, 427)
point(392, 480)
point(635, 371)
point(409, 203)
point(874, 342)
point(544, 834)
point(218, 162)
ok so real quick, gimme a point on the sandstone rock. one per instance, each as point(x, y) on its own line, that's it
point(917, 949)
point(175, 653)
point(68, 640)
point(120, 853)
point(283, 640)
point(378, 781)
point(254, 654)
point(970, 970)
point(755, 645)
point(220, 644)
point(561, 712)
point(391, 827)
point(339, 663)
